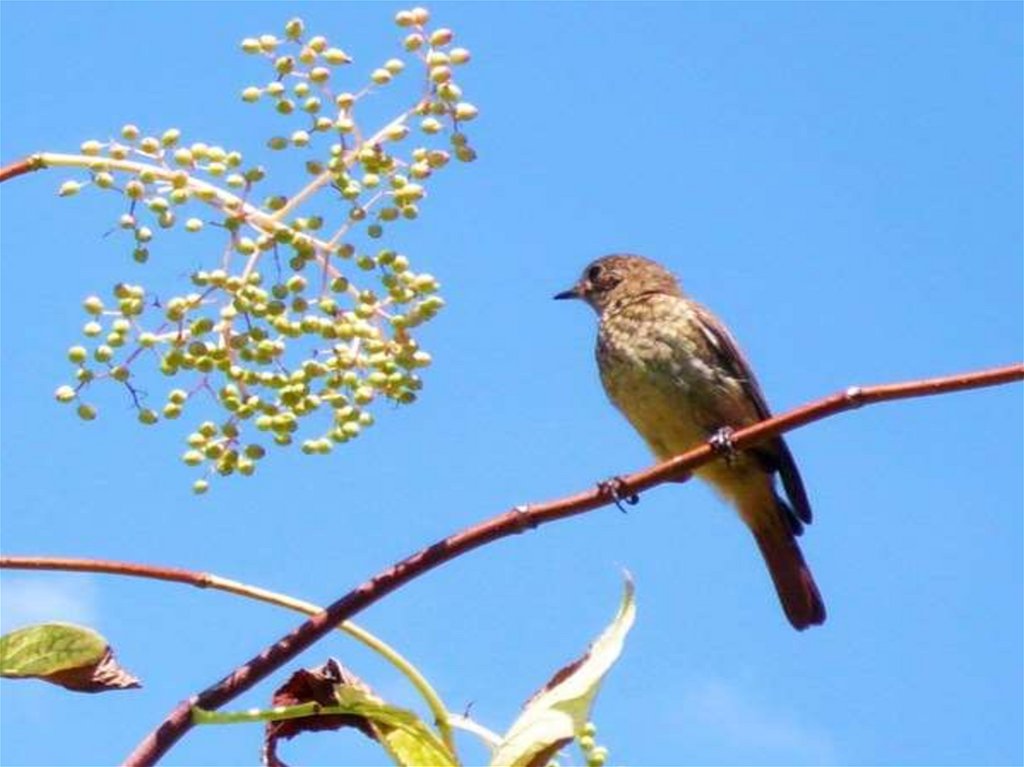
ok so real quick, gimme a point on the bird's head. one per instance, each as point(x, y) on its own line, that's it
point(612, 280)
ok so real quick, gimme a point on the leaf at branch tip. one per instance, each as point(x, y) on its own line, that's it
point(553, 716)
point(404, 735)
point(71, 656)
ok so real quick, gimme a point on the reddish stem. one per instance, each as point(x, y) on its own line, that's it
point(21, 167)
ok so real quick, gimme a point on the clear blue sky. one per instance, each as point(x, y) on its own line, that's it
point(841, 182)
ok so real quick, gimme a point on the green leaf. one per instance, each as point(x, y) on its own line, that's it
point(406, 737)
point(560, 710)
point(71, 656)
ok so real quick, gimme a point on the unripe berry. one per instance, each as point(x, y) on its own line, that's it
point(379, 76)
point(251, 94)
point(69, 188)
point(64, 394)
point(394, 66)
point(413, 42)
point(465, 111)
point(200, 486)
point(294, 28)
point(420, 15)
point(440, 74)
point(86, 412)
point(458, 55)
point(170, 137)
point(148, 417)
point(336, 56)
point(129, 132)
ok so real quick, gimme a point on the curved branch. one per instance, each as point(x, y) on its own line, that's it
point(518, 520)
point(205, 580)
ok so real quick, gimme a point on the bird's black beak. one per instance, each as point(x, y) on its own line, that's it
point(573, 292)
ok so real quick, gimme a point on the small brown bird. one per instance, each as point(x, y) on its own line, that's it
point(678, 376)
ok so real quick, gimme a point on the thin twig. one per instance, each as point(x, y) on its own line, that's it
point(518, 520)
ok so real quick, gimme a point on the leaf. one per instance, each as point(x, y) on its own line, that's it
point(64, 654)
point(553, 716)
point(351, 703)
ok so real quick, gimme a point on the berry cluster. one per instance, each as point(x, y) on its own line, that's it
point(298, 316)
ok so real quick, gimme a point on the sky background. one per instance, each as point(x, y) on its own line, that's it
point(841, 183)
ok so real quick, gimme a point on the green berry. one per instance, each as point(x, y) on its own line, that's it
point(65, 394)
point(86, 412)
point(200, 486)
point(336, 56)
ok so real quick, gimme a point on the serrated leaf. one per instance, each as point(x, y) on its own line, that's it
point(553, 716)
point(74, 657)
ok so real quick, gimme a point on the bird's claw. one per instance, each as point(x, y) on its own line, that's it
point(613, 489)
point(721, 442)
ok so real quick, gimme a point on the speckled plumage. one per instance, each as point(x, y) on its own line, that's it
point(678, 376)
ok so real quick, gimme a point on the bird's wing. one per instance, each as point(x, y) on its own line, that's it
point(774, 455)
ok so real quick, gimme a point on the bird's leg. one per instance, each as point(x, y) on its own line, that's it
point(721, 441)
point(612, 488)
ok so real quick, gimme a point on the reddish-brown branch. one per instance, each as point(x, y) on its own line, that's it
point(518, 520)
point(79, 565)
point(21, 167)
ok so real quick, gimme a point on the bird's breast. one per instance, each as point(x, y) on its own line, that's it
point(654, 371)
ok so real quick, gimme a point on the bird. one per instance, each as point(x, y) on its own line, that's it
point(678, 376)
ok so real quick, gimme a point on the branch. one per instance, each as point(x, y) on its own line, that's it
point(523, 518)
point(21, 167)
point(209, 580)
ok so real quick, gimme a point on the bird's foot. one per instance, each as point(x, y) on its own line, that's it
point(612, 488)
point(722, 443)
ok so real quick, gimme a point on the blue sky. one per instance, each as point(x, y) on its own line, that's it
point(841, 183)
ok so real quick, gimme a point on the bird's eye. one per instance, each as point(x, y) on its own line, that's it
point(594, 273)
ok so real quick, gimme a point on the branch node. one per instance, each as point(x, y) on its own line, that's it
point(722, 443)
point(524, 520)
point(854, 395)
point(612, 489)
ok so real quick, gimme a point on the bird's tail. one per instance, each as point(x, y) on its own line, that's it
point(792, 578)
